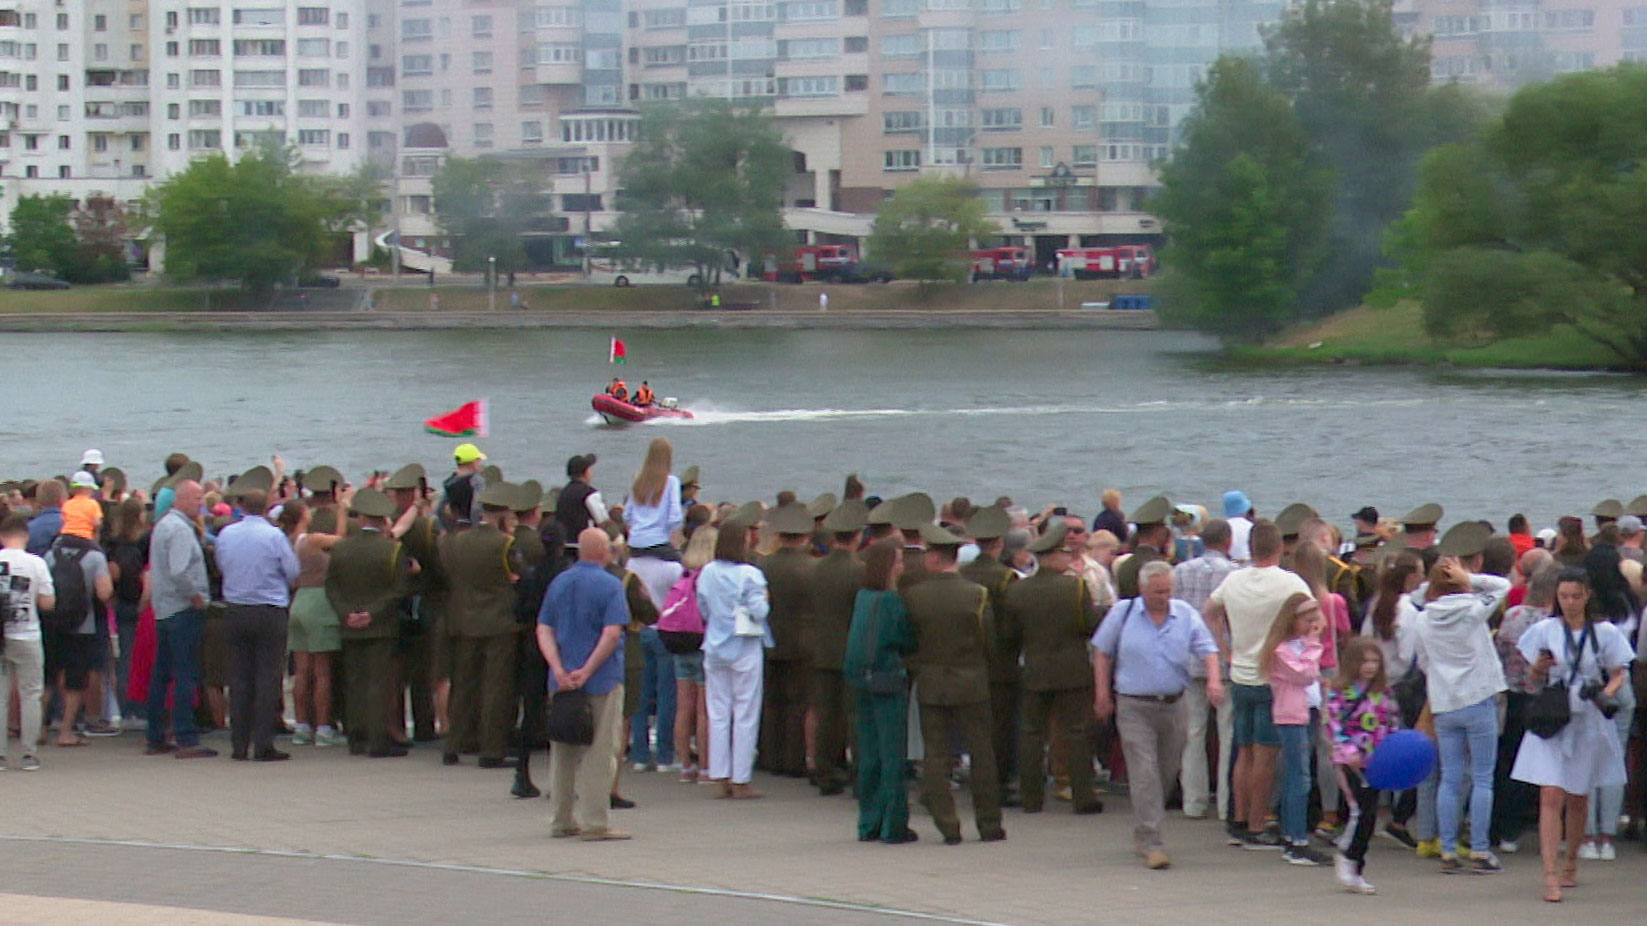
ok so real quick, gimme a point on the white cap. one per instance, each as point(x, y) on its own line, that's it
point(1547, 535)
point(83, 480)
point(91, 458)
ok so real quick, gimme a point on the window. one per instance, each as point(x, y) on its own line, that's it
point(62, 21)
point(315, 48)
point(260, 78)
point(1120, 30)
point(100, 142)
point(379, 108)
point(247, 48)
point(412, 30)
point(174, 142)
point(580, 202)
point(999, 40)
point(134, 108)
point(910, 121)
point(1083, 76)
point(259, 107)
point(417, 65)
point(895, 9)
point(63, 113)
point(480, 27)
point(31, 142)
point(207, 47)
point(1084, 156)
point(1046, 156)
point(1002, 80)
point(136, 52)
point(100, 23)
point(744, 49)
point(316, 137)
point(482, 63)
point(902, 160)
point(62, 82)
point(1083, 117)
point(662, 19)
point(578, 165)
point(31, 171)
point(173, 49)
point(531, 133)
point(746, 11)
point(204, 108)
point(343, 140)
point(665, 55)
point(1570, 19)
point(203, 16)
point(809, 86)
point(317, 109)
point(312, 15)
point(900, 46)
point(100, 52)
point(857, 44)
point(264, 16)
point(259, 139)
point(63, 172)
point(1049, 117)
point(319, 77)
point(205, 138)
point(1003, 158)
point(904, 83)
point(999, 6)
point(573, 16)
point(482, 97)
point(420, 165)
point(793, 49)
point(797, 11)
point(207, 78)
point(483, 135)
point(1003, 120)
point(559, 53)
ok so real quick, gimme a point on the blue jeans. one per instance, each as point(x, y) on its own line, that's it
point(1469, 739)
point(176, 661)
point(1295, 780)
point(657, 701)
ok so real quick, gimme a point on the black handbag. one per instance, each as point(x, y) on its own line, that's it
point(571, 718)
point(1550, 710)
point(881, 681)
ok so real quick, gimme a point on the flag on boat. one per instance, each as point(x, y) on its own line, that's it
point(467, 420)
point(617, 353)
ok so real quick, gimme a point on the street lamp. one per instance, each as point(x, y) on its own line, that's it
point(491, 283)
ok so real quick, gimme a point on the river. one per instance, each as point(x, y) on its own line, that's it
point(1038, 415)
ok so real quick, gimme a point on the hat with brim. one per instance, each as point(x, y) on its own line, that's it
point(410, 476)
point(578, 465)
point(1367, 541)
point(492, 473)
point(1236, 503)
point(1053, 540)
point(911, 511)
point(1609, 508)
point(82, 480)
point(749, 515)
point(1154, 511)
point(191, 471)
point(1466, 538)
point(689, 479)
point(1423, 517)
point(499, 494)
point(1291, 518)
point(881, 513)
point(256, 479)
point(1637, 506)
point(934, 536)
point(988, 523)
point(822, 505)
point(551, 499)
point(370, 503)
point(528, 496)
point(849, 517)
point(791, 519)
point(467, 453)
point(323, 479)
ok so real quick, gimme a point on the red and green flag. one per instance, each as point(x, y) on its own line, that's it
point(467, 420)
point(617, 353)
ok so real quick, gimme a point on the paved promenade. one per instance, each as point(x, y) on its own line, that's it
point(132, 840)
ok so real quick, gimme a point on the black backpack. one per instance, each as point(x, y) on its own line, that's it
point(73, 597)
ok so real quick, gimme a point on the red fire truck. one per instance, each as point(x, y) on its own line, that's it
point(1002, 264)
point(1121, 262)
point(832, 263)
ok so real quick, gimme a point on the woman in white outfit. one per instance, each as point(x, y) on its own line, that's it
point(733, 600)
point(1576, 649)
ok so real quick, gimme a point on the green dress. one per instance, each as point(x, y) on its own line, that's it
point(883, 802)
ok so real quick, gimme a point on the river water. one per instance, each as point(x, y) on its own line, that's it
point(1038, 415)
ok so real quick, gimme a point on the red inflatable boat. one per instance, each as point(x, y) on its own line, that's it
point(618, 411)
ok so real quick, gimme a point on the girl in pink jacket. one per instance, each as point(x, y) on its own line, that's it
point(1292, 660)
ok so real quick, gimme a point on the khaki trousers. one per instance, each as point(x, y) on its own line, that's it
point(1152, 739)
point(580, 777)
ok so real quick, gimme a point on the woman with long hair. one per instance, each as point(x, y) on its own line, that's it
point(314, 632)
point(876, 645)
point(654, 517)
point(1574, 647)
point(1391, 619)
point(734, 602)
point(128, 554)
point(691, 707)
point(1309, 562)
point(1570, 543)
point(1612, 600)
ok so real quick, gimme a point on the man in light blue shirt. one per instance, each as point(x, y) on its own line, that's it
point(177, 591)
point(259, 568)
point(1146, 645)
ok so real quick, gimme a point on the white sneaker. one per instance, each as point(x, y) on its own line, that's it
point(1508, 847)
point(1361, 886)
point(302, 735)
point(1607, 853)
point(1347, 875)
point(1588, 852)
point(639, 767)
point(326, 736)
point(670, 767)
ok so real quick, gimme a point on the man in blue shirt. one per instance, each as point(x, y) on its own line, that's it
point(1146, 644)
point(580, 631)
point(258, 567)
point(47, 522)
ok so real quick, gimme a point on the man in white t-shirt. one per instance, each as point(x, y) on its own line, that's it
point(1238, 512)
point(26, 584)
point(1241, 611)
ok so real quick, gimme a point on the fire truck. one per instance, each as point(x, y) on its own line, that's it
point(1002, 264)
point(1122, 262)
point(831, 263)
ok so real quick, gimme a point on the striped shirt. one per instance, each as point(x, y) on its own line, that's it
point(1193, 581)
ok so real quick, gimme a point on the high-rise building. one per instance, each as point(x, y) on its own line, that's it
point(1503, 44)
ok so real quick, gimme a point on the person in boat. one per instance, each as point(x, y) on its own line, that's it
point(618, 390)
point(643, 395)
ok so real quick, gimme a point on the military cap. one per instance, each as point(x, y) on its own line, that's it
point(1154, 511)
point(881, 513)
point(822, 505)
point(1609, 508)
point(1425, 515)
point(934, 536)
point(750, 515)
point(492, 473)
point(370, 503)
point(551, 498)
point(1367, 541)
point(114, 478)
point(791, 519)
point(323, 479)
point(499, 494)
point(690, 477)
point(1053, 539)
point(256, 479)
point(1292, 518)
point(988, 523)
point(1466, 538)
point(407, 477)
point(911, 511)
point(849, 517)
point(188, 471)
point(528, 495)
point(1637, 506)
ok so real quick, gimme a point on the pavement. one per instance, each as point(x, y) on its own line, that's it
point(105, 835)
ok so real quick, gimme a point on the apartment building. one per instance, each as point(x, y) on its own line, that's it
point(1503, 44)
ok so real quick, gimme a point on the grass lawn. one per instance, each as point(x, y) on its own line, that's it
point(1396, 336)
point(109, 298)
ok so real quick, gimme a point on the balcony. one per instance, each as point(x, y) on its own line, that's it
point(846, 104)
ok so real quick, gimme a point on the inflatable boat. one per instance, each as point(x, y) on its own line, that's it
point(617, 411)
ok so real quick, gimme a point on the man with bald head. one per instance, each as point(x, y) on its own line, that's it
point(177, 591)
point(580, 632)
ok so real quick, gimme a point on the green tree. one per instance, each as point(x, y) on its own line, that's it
point(486, 205)
point(704, 180)
point(1542, 220)
point(41, 238)
point(1243, 203)
point(925, 228)
point(101, 232)
point(255, 220)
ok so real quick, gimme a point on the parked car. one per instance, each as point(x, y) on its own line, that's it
point(23, 279)
point(319, 281)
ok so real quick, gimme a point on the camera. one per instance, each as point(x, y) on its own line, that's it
point(1593, 692)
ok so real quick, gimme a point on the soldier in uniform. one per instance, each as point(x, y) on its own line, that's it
point(1049, 618)
point(1290, 520)
point(911, 515)
point(322, 483)
point(788, 573)
point(482, 566)
point(367, 580)
point(690, 487)
point(1418, 533)
point(1606, 512)
point(1152, 537)
point(539, 558)
point(836, 581)
point(954, 638)
point(986, 527)
point(408, 487)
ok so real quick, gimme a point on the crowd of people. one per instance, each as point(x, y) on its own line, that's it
point(1236, 667)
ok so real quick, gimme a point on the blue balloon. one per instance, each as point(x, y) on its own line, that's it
point(1401, 761)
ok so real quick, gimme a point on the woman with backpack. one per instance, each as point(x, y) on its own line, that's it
point(680, 627)
point(128, 553)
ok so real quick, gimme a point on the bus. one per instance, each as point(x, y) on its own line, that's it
point(607, 269)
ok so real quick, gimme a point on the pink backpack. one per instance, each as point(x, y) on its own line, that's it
point(680, 626)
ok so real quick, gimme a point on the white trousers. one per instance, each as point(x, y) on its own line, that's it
point(1193, 775)
point(733, 693)
point(24, 662)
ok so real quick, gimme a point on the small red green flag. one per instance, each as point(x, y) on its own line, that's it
point(467, 420)
point(618, 353)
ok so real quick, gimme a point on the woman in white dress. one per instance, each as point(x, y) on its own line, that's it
point(1575, 648)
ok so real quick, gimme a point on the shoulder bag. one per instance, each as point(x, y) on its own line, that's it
point(571, 718)
point(1549, 712)
point(744, 623)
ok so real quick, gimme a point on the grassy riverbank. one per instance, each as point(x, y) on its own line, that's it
point(1396, 336)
